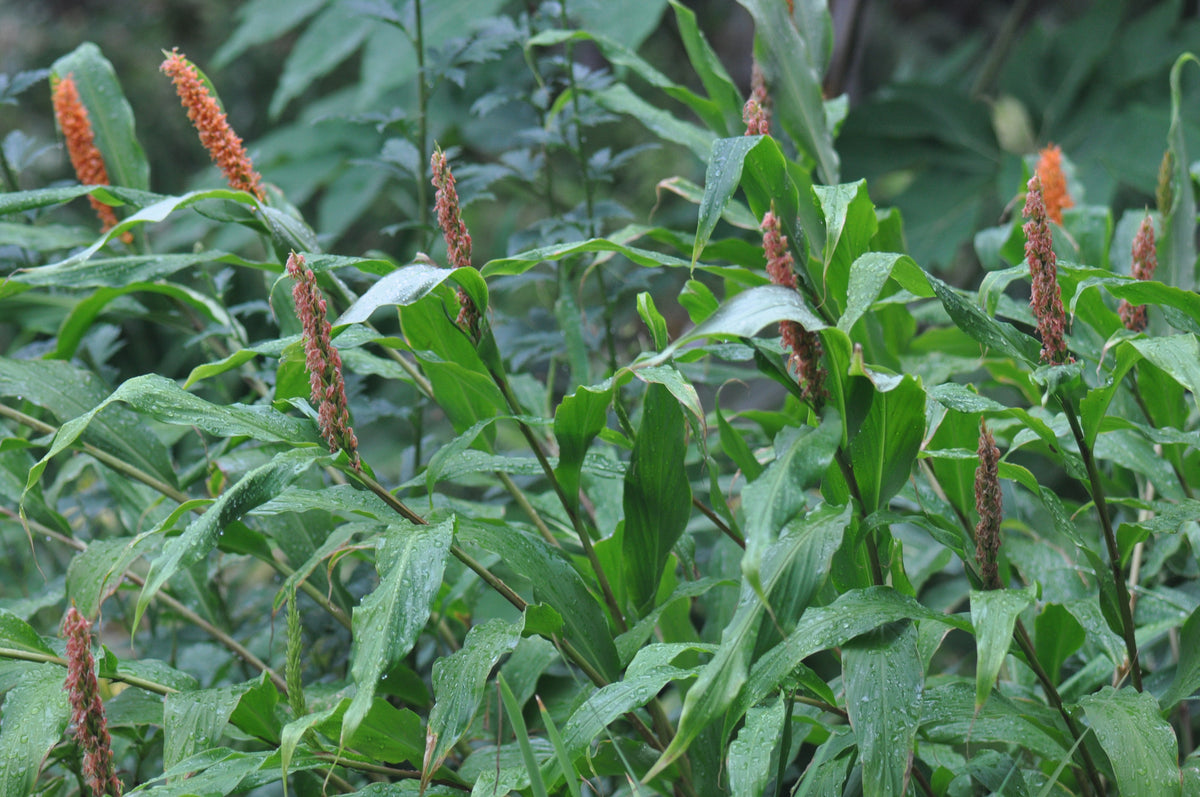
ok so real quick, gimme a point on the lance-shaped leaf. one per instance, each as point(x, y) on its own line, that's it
point(35, 715)
point(410, 561)
point(578, 418)
point(994, 615)
point(1140, 744)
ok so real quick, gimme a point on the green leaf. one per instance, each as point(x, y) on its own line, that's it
point(868, 274)
point(670, 128)
point(119, 272)
point(1177, 246)
point(201, 536)
point(518, 725)
point(1177, 355)
point(790, 66)
point(885, 448)
point(1140, 744)
point(994, 614)
point(410, 561)
point(802, 455)
point(44, 238)
point(657, 496)
point(578, 418)
point(948, 716)
point(523, 261)
point(752, 753)
point(326, 42)
point(404, 286)
point(35, 715)
point(708, 67)
point(1058, 635)
point(109, 113)
point(629, 21)
point(560, 751)
point(17, 634)
point(261, 21)
point(554, 582)
point(459, 681)
point(884, 679)
point(1187, 672)
point(194, 721)
point(90, 576)
point(812, 540)
point(720, 182)
point(850, 224)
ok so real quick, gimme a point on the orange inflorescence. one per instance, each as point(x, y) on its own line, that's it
point(1054, 183)
point(1145, 261)
point(81, 146)
point(223, 145)
point(805, 345)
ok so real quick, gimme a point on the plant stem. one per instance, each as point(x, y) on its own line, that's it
point(523, 501)
point(718, 522)
point(872, 547)
point(45, 658)
point(1110, 541)
point(422, 128)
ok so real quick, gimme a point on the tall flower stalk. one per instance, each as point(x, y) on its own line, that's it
point(989, 505)
point(1145, 261)
point(87, 710)
point(805, 345)
point(223, 145)
point(327, 387)
point(458, 239)
point(80, 141)
point(1046, 296)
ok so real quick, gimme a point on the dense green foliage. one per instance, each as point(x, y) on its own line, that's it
point(602, 538)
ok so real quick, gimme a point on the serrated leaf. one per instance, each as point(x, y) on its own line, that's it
point(994, 614)
point(1140, 744)
point(410, 561)
point(884, 680)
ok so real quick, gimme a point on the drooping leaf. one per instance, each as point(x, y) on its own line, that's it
point(994, 615)
point(1177, 246)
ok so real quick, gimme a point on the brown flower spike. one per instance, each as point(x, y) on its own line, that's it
point(756, 113)
point(87, 711)
point(458, 239)
point(1046, 297)
point(1054, 183)
point(1145, 261)
point(989, 505)
point(223, 145)
point(805, 345)
point(327, 387)
point(81, 147)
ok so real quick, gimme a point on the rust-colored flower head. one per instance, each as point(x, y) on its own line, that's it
point(1046, 296)
point(223, 145)
point(87, 710)
point(756, 113)
point(326, 384)
point(1054, 183)
point(805, 345)
point(1162, 193)
point(458, 239)
point(81, 147)
point(1145, 261)
point(989, 506)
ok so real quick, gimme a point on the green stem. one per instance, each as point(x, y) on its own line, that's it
point(589, 189)
point(422, 128)
point(877, 574)
point(1110, 541)
point(132, 680)
point(523, 501)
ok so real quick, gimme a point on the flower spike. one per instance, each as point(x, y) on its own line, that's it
point(326, 384)
point(806, 346)
point(756, 113)
point(989, 505)
point(87, 710)
point(1046, 297)
point(223, 145)
point(1054, 183)
point(81, 147)
point(1145, 261)
point(458, 239)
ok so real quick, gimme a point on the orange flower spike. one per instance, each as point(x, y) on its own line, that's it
point(223, 145)
point(81, 146)
point(1054, 183)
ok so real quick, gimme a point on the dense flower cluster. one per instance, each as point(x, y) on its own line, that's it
point(1145, 261)
point(806, 346)
point(81, 146)
point(1046, 298)
point(1054, 183)
point(756, 113)
point(988, 504)
point(458, 239)
point(87, 711)
point(223, 145)
point(326, 384)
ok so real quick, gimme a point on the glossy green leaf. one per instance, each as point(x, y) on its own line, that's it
point(195, 721)
point(752, 753)
point(109, 112)
point(1140, 744)
point(97, 572)
point(523, 261)
point(811, 539)
point(850, 224)
point(1058, 635)
point(18, 201)
point(791, 71)
point(201, 536)
point(657, 495)
point(459, 681)
point(555, 582)
point(35, 715)
point(994, 614)
point(885, 448)
point(578, 418)
point(868, 275)
point(404, 286)
point(410, 561)
point(802, 455)
point(722, 179)
point(708, 67)
point(670, 128)
point(44, 238)
point(17, 634)
point(948, 715)
point(1177, 246)
point(884, 679)
point(119, 272)
point(1187, 673)
point(970, 318)
point(1177, 355)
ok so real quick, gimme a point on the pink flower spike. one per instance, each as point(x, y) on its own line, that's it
point(989, 505)
point(1145, 261)
point(458, 239)
point(806, 346)
point(1046, 295)
point(87, 710)
point(756, 113)
point(327, 387)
